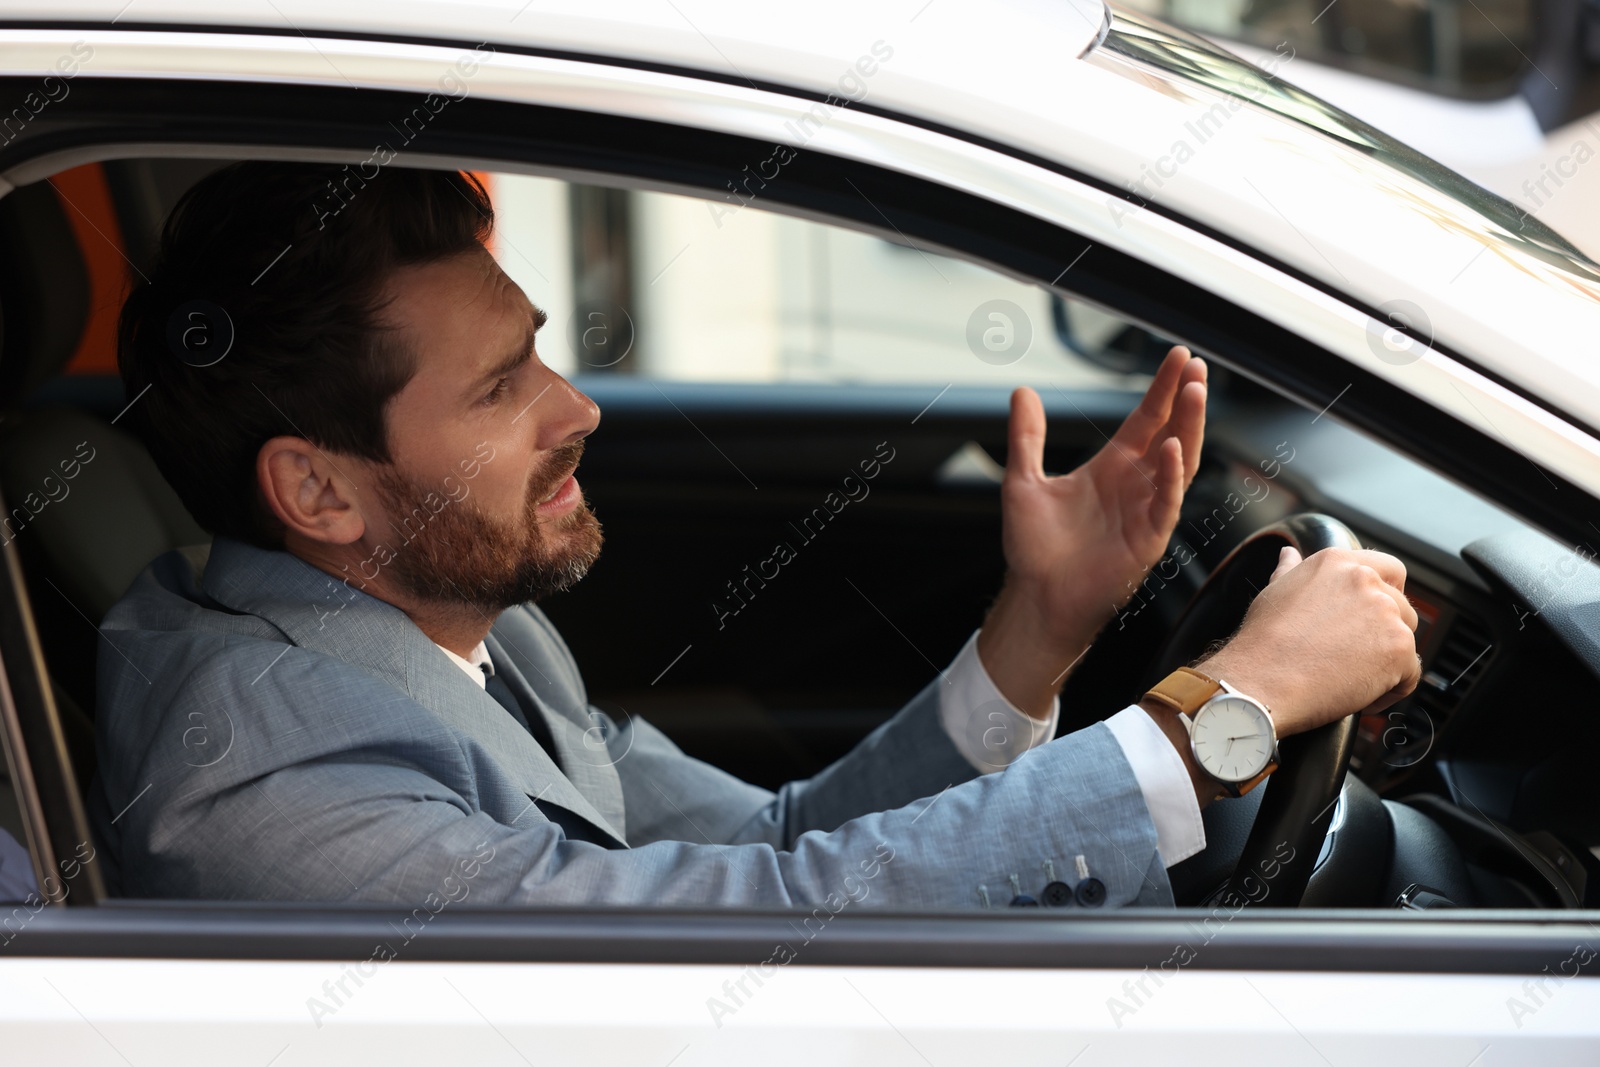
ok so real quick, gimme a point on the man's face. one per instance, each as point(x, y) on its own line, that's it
point(480, 506)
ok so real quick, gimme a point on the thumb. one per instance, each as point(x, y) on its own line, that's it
point(1288, 560)
point(1025, 444)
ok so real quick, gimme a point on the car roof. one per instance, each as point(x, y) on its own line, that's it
point(1006, 47)
point(1040, 79)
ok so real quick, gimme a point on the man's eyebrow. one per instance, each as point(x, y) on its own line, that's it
point(510, 361)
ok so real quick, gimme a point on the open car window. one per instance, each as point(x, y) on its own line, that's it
point(706, 460)
point(693, 326)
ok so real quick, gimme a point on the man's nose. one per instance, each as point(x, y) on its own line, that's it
point(571, 416)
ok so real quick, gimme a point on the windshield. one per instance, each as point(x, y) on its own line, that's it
point(1477, 51)
point(1195, 59)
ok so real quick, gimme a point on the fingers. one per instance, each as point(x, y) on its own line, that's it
point(1408, 612)
point(1170, 483)
point(1288, 560)
point(1390, 569)
point(1393, 575)
point(1025, 435)
point(1188, 423)
point(1139, 428)
point(1173, 406)
point(1410, 677)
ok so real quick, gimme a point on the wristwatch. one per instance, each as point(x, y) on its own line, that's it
point(1231, 735)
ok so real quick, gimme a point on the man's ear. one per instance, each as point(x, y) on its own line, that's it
point(308, 492)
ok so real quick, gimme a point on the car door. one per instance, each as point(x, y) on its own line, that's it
point(157, 981)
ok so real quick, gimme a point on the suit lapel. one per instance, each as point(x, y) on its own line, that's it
point(442, 687)
point(316, 611)
point(580, 742)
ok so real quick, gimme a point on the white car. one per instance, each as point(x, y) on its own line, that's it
point(773, 238)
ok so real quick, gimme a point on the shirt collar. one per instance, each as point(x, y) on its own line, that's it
point(476, 664)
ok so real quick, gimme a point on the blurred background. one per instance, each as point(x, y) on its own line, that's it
point(1507, 92)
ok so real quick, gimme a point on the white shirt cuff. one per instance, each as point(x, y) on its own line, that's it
point(1164, 780)
point(987, 729)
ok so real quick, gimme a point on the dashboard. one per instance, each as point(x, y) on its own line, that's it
point(1456, 649)
point(1496, 746)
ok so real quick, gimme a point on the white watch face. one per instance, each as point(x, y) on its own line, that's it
point(1232, 738)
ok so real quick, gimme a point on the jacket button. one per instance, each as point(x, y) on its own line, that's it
point(1091, 892)
point(1057, 895)
point(1023, 900)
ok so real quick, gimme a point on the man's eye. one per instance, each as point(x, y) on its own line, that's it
point(497, 392)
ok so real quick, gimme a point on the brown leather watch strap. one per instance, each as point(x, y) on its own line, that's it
point(1239, 789)
point(1184, 690)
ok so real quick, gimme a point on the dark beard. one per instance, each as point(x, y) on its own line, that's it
point(462, 556)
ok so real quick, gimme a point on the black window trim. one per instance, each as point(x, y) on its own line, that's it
point(1321, 940)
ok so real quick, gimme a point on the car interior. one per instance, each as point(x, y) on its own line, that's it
point(757, 370)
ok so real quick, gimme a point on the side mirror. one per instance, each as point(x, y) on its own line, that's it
point(1106, 341)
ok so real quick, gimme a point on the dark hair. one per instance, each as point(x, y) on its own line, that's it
point(278, 268)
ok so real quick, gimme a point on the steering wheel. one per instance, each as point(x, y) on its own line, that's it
point(1261, 847)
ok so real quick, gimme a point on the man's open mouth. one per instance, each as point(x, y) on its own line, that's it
point(559, 486)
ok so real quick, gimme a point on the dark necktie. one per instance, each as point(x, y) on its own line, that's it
point(532, 721)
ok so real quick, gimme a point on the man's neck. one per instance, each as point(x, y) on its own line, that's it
point(458, 626)
point(459, 635)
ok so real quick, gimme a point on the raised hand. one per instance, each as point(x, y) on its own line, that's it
point(1077, 545)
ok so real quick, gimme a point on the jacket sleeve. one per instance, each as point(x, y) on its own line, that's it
point(672, 796)
point(363, 829)
point(960, 846)
point(902, 765)
point(330, 787)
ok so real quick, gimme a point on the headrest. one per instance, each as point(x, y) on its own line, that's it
point(44, 291)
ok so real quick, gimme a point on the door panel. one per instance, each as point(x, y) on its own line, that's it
point(180, 1012)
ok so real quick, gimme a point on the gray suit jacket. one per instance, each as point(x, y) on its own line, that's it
point(268, 732)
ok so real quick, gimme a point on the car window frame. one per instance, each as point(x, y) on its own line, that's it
point(295, 120)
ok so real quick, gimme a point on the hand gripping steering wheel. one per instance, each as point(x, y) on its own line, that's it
point(1261, 847)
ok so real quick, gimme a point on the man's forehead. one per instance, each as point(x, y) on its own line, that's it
point(463, 297)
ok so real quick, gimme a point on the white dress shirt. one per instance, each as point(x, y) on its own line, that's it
point(991, 733)
point(477, 664)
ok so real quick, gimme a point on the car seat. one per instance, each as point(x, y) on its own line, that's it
point(81, 539)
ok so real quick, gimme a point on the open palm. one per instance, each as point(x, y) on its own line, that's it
point(1083, 541)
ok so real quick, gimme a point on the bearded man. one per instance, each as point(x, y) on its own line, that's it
point(351, 693)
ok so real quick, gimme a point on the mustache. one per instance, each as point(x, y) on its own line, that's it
point(562, 461)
